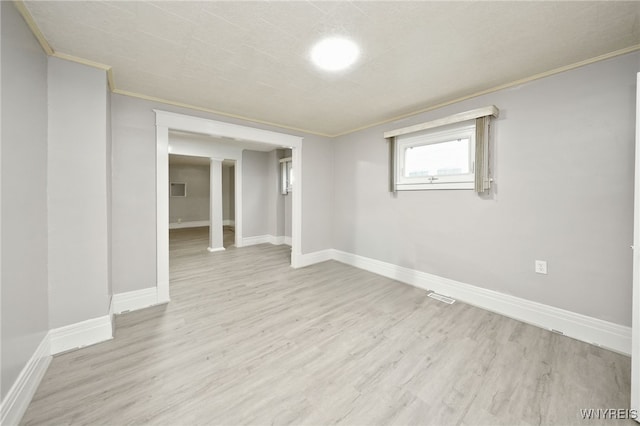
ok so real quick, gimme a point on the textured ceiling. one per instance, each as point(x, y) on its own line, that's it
point(251, 58)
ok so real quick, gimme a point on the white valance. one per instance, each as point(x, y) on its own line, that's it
point(491, 110)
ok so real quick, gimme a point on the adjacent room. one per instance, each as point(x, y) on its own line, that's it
point(309, 212)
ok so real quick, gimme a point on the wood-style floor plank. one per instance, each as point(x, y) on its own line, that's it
point(248, 340)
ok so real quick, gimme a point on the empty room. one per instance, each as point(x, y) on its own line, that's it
point(320, 212)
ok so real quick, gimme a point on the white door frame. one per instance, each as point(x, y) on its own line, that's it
point(166, 121)
point(635, 326)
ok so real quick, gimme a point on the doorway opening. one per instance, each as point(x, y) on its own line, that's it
point(189, 199)
point(222, 141)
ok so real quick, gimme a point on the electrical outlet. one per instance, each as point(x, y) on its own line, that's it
point(179, 220)
point(541, 267)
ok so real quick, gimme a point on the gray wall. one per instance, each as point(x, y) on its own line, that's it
point(25, 318)
point(195, 206)
point(228, 192)
point(255, 193)
point(77, 193)
point(563, 163)
point(317, 197)
point(134, 157)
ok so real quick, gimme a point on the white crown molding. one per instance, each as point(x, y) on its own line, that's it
point(81, 334)
point(193, 224)
point(16, 401)
point(31, 23)
point(581, 327)
point(493, 89)
point(135, 300)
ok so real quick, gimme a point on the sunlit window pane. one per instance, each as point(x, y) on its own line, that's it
point(438, 159)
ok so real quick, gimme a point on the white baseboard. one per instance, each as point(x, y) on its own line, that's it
point(134, 300)
point(266, 239)
point(591, 330)
point(312, 258)
point(280, 240)
point(194, 224)
point(260, 239)
point(228, 222)
point(213, 250)
point(81, 334)
point(16, 401)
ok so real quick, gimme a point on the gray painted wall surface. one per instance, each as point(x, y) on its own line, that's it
point(134, 156)
point(25, 318)
point(255, 193)
point(228, 193)
point(195, 206)
point(77, 193)
point(563, 165)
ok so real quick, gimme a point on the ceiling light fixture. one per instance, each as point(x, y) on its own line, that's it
point(334, 53)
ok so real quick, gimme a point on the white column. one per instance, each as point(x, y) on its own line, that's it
point(215, 206)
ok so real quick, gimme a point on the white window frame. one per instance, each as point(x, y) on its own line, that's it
point(464, 130)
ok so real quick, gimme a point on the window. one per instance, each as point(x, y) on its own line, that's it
point(437, 159)
point(286, 176)
point(178, 189)
point(448, 153)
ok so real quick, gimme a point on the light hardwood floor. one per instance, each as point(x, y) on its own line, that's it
point(248, 340)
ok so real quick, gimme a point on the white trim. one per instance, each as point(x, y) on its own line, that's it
point(192, 224)
point(216, 128)
point(135, 300)
point(412, 183)
point(280, 240)
point(635, 352)
point(237, 202)
point(213, 250)
point(433, 186)
point(591, 330)
point(266, 239)
point(276, 241)
point(228, 222)
point(316, 257)
point(260, 239)
point(81, 334)
point(16, 401)
point(169, 120)
point(162, 212)
point(491, 110)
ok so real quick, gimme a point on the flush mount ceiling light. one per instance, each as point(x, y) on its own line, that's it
point(334, 54)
